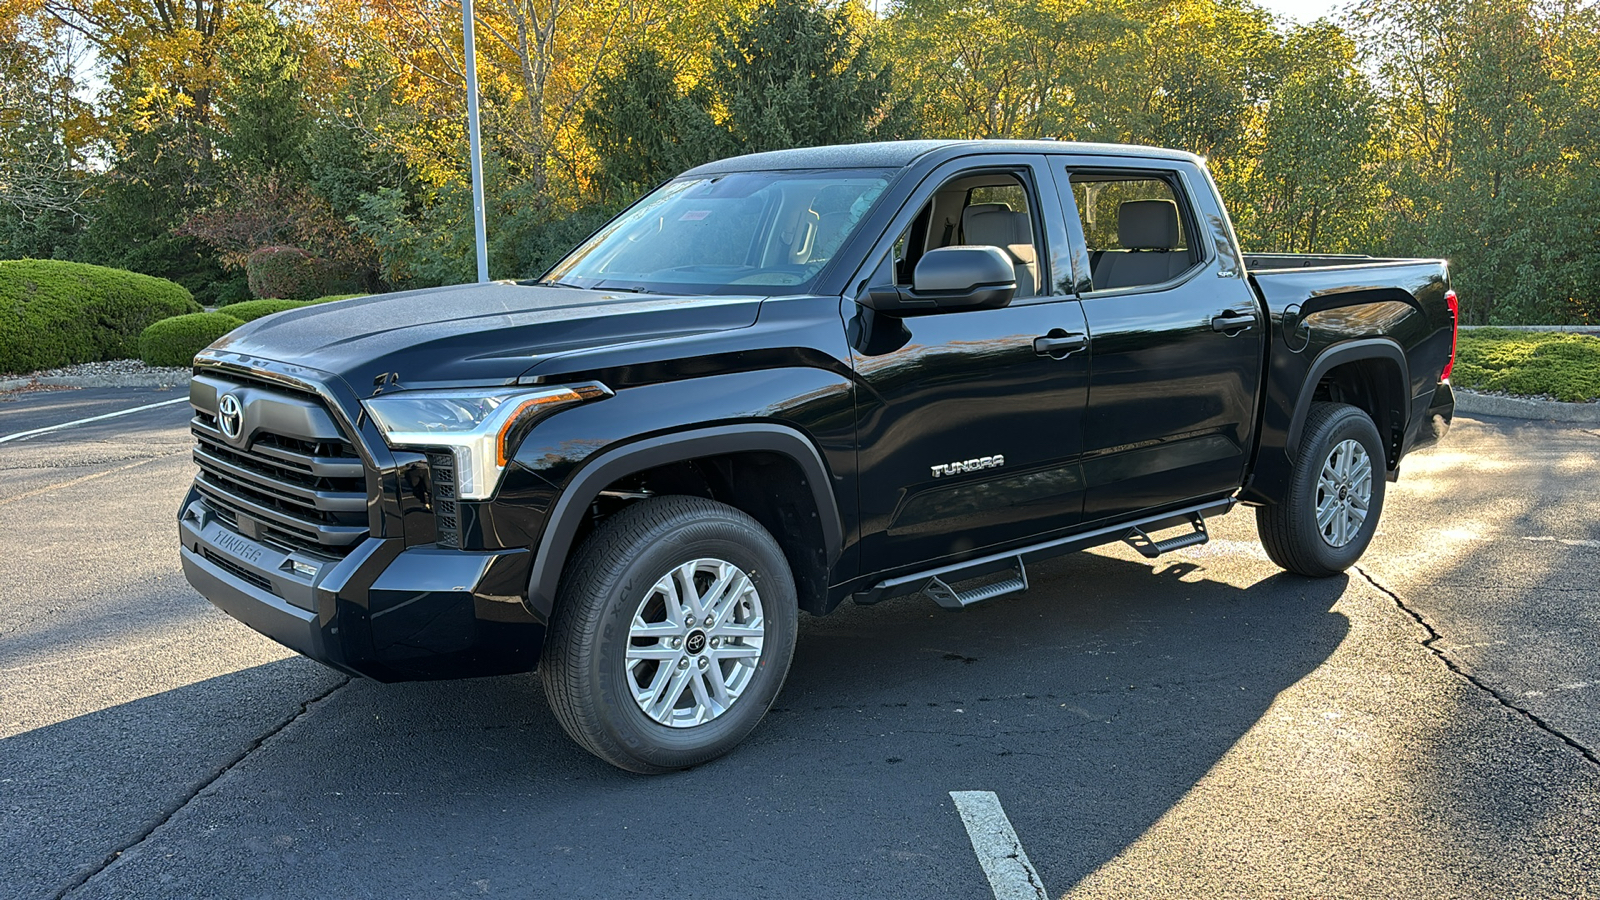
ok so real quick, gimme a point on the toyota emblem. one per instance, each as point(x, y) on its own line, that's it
point(230, 416)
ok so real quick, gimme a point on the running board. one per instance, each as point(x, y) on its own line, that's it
point(950, 598)
point(1150, 548)
point(975, 567)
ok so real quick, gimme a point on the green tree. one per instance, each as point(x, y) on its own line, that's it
point(262, 105)
point(644, 129)
point(1483, 158)
point(802, 73)
point(1313, 190)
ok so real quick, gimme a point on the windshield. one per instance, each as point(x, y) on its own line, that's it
point(741, 232)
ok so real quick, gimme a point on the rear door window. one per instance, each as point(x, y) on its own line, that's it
point(1136, 227)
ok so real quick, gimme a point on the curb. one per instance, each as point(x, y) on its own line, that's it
point(95, 381)
point(1521, 408)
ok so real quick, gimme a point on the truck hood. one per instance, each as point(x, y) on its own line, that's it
point(473, 334)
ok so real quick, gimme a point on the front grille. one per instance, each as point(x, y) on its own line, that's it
point(296, 481)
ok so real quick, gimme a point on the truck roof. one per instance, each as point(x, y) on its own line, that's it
point(899, 154)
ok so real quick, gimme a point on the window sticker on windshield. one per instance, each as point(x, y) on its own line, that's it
point(694, 215)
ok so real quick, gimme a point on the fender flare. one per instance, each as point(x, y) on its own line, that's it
point(609, 465)
point(1338, 355)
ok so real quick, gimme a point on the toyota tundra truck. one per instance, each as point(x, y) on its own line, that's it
point(786, 380)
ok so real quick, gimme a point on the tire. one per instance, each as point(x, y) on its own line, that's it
point(624, 710)
point(1291, 531)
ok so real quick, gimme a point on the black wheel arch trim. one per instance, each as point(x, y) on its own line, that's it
point(1338, 355)
point(555, 543)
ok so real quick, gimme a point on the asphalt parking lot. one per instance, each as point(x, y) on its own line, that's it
point(1195, 726)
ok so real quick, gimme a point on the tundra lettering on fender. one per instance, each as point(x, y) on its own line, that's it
point(635, 472)
point(971, 465)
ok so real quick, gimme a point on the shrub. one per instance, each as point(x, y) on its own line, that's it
point(289, 273)
point(55, 313)
point(1530, 363)
point(234, 290)
point(250, 310)
point(175, 341)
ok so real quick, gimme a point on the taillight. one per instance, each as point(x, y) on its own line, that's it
point(1455, 327)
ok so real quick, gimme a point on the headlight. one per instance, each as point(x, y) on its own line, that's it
point(473, 424)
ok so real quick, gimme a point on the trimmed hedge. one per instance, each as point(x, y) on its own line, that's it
point(289, 273)
point(55, 313)
point(1529, 363)
point(250, 310)
point(175, 341)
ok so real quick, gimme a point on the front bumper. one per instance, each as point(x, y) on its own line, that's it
point(384, 611)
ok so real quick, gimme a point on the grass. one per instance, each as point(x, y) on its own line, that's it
point(1530, 363)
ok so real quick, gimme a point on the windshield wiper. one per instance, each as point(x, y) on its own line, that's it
point(561, 284)
point(626, 290)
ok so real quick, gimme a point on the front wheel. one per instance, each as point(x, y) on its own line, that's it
point(673, 631)
point(1335, 495)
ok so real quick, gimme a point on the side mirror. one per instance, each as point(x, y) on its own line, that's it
point(950, 279)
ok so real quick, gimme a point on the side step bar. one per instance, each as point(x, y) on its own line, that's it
point(950, 598)
point(1150, 548)
point(931, 580)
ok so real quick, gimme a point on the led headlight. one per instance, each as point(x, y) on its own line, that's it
point(474, 425)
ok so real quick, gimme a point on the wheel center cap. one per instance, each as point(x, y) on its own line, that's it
point(1344, 492)
point(696, 642)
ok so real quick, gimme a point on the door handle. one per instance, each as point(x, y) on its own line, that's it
point(1231, 322)
point(1059, 344)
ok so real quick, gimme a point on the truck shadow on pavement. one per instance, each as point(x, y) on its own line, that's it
point(1090, 705)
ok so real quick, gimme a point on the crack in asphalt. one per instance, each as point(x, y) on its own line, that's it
point(166, 816)
point(1434, 637)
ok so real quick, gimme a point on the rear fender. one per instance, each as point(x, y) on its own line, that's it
point(1280, 442)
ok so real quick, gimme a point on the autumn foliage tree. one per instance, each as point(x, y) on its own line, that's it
point(1462, 128)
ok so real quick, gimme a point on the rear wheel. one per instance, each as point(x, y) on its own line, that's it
point(1335, 495)
point(672, 634)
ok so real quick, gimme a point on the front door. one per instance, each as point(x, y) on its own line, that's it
point(970, 422)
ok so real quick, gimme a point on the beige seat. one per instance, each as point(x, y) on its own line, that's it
point(1148, 232)
point(995, 225)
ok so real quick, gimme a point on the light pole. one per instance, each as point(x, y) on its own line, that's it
point(473, 142)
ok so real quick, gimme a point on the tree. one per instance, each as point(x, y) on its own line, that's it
point(644, 129)
point(1482, 155)
point(45, 131)
point(1313, 189)
point(262, 104)
point(797, 73)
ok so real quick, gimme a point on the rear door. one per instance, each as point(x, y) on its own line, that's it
point(971, 422)
point(1176, 332)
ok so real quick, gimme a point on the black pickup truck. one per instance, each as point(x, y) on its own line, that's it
point(785, 380)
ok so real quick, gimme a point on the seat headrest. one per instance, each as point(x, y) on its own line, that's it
point(1148, 224)
point(995, 225)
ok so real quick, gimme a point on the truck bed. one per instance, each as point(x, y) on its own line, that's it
point(1268, 262)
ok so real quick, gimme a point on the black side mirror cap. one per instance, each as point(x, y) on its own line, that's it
point(950, 279)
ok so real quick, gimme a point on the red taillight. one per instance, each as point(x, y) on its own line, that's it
point(1455, 327)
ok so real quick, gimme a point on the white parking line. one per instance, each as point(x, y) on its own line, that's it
point(37, 431)
point(1011, 875)
point(1570, 542)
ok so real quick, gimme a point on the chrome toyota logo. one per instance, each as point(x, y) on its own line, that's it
point(230, 416)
